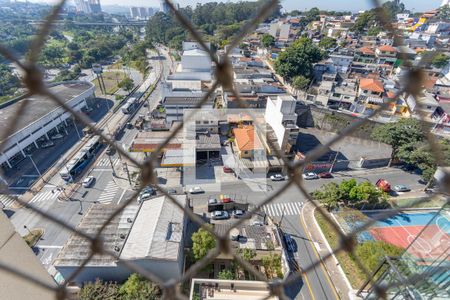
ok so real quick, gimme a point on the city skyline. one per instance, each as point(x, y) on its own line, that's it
point(414, 5)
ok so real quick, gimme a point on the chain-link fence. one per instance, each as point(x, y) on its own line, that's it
point(33, 81)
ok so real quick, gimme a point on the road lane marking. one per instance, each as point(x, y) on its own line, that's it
point(326, 275)
point(121, 196)
point(48, 247)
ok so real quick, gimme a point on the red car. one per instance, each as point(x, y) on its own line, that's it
point(227, 170)
point(325, 175)
point(383, 185)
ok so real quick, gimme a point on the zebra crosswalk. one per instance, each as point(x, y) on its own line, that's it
point(108, 194)
point(44, 196)
point(104, 162)
point(286, 209)
point(7, 200)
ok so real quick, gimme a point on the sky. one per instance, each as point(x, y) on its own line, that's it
point(352, 5)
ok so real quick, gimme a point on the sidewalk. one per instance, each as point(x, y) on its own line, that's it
point(331, 265)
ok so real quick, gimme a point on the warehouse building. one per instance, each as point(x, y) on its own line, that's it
point(41, 118)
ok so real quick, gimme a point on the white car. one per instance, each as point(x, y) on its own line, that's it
point(310, 175)
point(195, 190)
point(57, 136)
point(88, 181)
point(219, 215)
point(212, 201)
point(238, 213)
point(144, 196)
point(277, 177)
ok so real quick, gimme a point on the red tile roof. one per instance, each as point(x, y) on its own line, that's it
point(371, 85)
point(245, 138)
point(366, 50)
point(387, 48)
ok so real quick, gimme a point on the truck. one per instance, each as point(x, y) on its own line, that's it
point(383, 185)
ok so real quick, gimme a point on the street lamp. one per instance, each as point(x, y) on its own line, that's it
point(29, 231)
point(32, 161)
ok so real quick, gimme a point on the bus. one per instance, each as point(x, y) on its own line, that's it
point(81, 160)
point(129, 106)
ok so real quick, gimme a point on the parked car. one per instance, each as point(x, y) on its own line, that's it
point(227, 170)
point(226, 198)
point(57, 136)
point(277, 177)
point(46, 144)
point(219, 215)
point(383, 185)
point(171, 191)
point(110, 150)
point(149, 190)
point(196, 190)
point(144, 196)
point(238, 213)
point(401, 188)
point(129, 125)
point(212, 201)
point(290, 243)
point(88, 181)
point(310, 175)
point(325, 175)
point(257, 222)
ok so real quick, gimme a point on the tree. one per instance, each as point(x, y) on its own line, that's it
point(366, 192)
point(374, 31)
point(99, 290)
point(400, 133)
point(9, 83)
point(272, 265)
point(300, 82)
point(364, 20)
point(227, 274)
point(247, 254)
point(138, 287)
point(267, 40)
point(440, 60)
point(444, 12)
point(202, 242)
point(327, 43)
point(127, 84)
point(329, 195)
point(298, 59)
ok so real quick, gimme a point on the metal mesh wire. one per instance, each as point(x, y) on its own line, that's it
point(33, 81)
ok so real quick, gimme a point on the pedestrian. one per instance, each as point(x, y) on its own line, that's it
point(53, 191)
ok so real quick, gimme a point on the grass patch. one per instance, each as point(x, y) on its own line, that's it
point(111, 80)
point(369, 253)
point(351, 269)
point(409, 203)
point(32, 238)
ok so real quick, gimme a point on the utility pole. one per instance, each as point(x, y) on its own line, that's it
point(125, 168)
point(334, 161)
point(112, 166)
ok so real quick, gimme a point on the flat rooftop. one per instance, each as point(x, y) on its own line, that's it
point(39, 106)
point(77, 249)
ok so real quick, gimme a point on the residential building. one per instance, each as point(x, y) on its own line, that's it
point(216, 289)
point(386, 54)
point(341, 62)
point(365, 55)
point(280, 115)
point(164, 7)
point(370, 87)
point(150, 235)
point(141, 12)
point(247, 143)
point(88, 6)
point(17, 255)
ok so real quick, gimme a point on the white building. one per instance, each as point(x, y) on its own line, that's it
point(150, 236)
point(280, 30)
point(280, 115)
point(42, 117)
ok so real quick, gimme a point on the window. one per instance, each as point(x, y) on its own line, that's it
point(245, 152)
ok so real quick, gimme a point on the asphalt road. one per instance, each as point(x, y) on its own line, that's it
point(286, 209)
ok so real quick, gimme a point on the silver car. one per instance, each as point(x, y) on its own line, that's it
point(219, 215)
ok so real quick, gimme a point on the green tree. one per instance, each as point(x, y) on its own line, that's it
point(300, 82)
point(440, 60)
point(99, 290)
point(267, 40)
point(9, 83)
point(327, 43)
point(444, 12)
point(139, 288)
point(400, 133)
point(127, 84)
point(366, 192)
point(227, 274)
point(298, 59)
point(202, 242)
point(272, 265)
point(364, 21)
point(247, 254)
point(374, 31)
point(329, 195)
